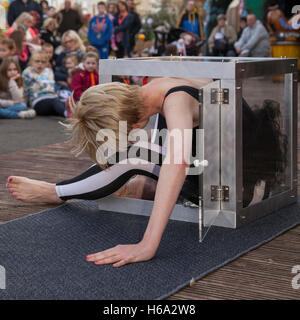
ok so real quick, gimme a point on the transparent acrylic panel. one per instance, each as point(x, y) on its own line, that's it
point(267, 116)
point(209, 160)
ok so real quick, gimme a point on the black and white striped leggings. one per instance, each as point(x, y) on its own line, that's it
point(96, 183)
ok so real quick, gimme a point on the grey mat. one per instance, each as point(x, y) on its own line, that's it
point(44, 253)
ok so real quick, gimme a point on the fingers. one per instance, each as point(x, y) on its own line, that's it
point(101, 255)
point(109, 260)
point(121, 263)
point(117, 261)
point(111, 256)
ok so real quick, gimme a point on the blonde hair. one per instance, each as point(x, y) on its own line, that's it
point(47, 22)
point(103, 107)
point(47, 45)
point(25, 16)
point(74, 36)
point(38, 53)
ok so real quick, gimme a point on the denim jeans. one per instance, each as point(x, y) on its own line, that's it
point(12, 111)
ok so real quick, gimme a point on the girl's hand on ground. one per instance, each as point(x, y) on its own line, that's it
point(123, 254)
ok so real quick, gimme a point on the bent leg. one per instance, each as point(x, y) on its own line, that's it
point(48, 107)
point(12, 111)
point(19, 107)
point(59, 107)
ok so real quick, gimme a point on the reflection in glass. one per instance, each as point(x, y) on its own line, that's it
point(265, 140)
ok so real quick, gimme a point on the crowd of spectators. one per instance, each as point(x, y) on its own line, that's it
point(47, 54)
point(49, 57)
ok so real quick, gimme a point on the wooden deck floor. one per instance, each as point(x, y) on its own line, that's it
point(264, 273)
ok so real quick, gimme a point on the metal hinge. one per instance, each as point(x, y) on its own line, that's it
point(219, 95)
point(219, 193)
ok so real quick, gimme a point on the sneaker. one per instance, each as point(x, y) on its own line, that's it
point(27, 114)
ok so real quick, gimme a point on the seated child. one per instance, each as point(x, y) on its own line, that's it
point(89, 49)
point(7, 48)
point(89, 76)
point(63, 74)
point(63, 77)
point(22, 50)
point(12, 105)
point(48, 48)
point(39, 86)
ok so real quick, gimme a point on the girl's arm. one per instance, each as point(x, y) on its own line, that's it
point(26, 83)
point(179, 116)
point(178, 111)
point(16, 92)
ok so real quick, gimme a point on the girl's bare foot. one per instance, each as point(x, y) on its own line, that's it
point(34, 191)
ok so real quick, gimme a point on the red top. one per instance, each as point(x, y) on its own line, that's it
point(81, 81)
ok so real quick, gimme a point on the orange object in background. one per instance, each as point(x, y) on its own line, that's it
point(286, 45)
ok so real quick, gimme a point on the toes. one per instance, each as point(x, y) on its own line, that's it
point(12, 190)
point(10, 186)
point(17, 195)
point(15, 179)
point(9, 180)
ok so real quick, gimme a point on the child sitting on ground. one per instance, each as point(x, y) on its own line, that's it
point(48, 48)
point(22, 50)
point(89, 49)
point(7, 48)
point(39, 86)
point(63, 74)
point(12, 105)
point(86, 78)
